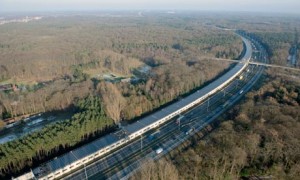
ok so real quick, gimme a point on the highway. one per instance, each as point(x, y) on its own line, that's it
point(125, 160)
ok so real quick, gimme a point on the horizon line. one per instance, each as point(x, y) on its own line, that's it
point(149, 10)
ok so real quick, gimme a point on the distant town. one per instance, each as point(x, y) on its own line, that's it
point(20, 20)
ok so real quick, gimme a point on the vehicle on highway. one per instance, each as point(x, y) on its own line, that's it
point(153, 135)
point(189, 131)
point(159, 150)
point(225, 104)
point(179, 119)
point(241, 91)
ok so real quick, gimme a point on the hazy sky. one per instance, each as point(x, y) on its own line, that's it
point(284, 6)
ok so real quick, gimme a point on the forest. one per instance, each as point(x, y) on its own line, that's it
point(58, 60)
point(90, 120)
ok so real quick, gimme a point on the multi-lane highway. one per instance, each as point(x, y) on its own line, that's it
point(125, 160)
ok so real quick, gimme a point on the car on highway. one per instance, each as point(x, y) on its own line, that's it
point(225, 104)
point(179, 119)
point(159, 150)
point(189, 131)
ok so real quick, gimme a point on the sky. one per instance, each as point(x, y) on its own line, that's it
point(277, 6)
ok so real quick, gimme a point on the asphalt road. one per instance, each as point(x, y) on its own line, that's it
point(125, 160)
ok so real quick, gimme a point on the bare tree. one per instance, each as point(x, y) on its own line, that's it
point(151, 170)
point(114, 102)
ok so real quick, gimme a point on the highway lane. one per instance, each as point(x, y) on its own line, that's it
point(170, 128)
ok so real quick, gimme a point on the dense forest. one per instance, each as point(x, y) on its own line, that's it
point(57, 60)
point(46, 49)
point(277, 45)
point(259, 139)
point(90, 120)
